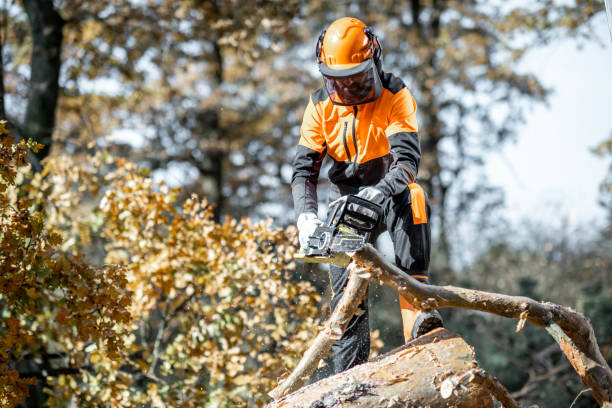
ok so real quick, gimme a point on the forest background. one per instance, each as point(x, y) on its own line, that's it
point(147, 239)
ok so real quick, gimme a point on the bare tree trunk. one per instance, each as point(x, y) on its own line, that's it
point(46, 26)
point(410, 376)
point(218, 152)
point(3, 30)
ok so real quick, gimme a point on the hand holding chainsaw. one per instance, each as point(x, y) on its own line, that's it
point(371, 194)
point(307, 223)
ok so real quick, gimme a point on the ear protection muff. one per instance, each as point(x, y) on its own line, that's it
point(376, 52)
point(319, 46)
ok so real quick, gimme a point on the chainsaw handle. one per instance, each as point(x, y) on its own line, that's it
point(356, 219)
point(355, 199)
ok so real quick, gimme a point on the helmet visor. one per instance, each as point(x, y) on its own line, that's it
point(348, 87)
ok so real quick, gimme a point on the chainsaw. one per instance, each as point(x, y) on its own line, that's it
point(350, 221)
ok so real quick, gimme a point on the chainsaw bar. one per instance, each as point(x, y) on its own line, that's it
point(339, 259)
point(325, 240)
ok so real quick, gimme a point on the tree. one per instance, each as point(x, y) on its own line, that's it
point(46, 35)
point(605, 150)
point(53, 305)
point(186, 312)
point(194, 78)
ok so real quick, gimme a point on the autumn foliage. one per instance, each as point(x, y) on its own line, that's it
point(145, 301)
point(48, 298)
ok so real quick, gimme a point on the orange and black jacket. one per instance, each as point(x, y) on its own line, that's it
point(373, 144)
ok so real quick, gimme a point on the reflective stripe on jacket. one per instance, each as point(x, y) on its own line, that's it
point(370, 144)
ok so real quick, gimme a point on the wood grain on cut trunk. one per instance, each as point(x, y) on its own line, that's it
point(408, 376)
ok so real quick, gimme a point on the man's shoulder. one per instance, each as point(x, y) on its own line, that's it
point(320, 95)
point(392, 83)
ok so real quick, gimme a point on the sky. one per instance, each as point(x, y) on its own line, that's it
point(550, 173)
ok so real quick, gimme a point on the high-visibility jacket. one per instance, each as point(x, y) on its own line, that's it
point(373, 144)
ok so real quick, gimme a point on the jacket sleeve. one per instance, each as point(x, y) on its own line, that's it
point(403, 144)
point(309, 155)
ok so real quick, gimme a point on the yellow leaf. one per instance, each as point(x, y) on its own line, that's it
point(95, 357)
point(32, 292)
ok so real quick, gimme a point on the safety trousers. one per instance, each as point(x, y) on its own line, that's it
point(406, 217)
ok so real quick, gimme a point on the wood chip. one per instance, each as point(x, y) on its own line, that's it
point(447, 388)
point(521, 322)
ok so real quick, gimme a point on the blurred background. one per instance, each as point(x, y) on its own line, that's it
point(515, 117)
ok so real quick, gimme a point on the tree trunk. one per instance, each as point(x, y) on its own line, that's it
point(46, 27)
point(3, 30)
point(218, 153)
point(409, 376)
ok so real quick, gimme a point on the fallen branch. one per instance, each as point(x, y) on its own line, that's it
point(332, 330)
point(569, 328)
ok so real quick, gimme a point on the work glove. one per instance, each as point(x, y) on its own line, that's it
point(306, 224)
point(373, 194)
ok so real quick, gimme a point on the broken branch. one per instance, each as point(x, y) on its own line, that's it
point(333, 329)
point(569, 328)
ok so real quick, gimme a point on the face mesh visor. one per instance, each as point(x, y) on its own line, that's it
point(354, 89)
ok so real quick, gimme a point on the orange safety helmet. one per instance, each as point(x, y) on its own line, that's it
point(349, 56)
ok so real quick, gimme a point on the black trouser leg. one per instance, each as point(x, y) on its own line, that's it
point(354, 346)
point(411, 242)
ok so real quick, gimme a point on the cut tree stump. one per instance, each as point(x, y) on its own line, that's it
point(409, 376)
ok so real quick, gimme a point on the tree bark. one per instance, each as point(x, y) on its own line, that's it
point(217, 153)
point(3, 29)
point(46, 26)
point(569, 328)
point(409, 376)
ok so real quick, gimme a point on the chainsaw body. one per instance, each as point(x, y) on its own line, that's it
point(350, 222)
